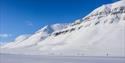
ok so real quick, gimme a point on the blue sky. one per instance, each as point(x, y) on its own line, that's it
point(19, 17)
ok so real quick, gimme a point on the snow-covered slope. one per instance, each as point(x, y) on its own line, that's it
point(28, 41)
point(102, 32)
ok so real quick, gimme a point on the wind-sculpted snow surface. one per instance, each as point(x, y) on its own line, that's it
point(101, 33)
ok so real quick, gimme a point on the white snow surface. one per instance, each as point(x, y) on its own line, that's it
point(101, 33)
point(58, 27)
point(7, 58)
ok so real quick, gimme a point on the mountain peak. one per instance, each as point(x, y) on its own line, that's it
point(109, 11)
point(118, 4)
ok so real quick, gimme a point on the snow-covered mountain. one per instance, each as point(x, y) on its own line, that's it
point(102, 32)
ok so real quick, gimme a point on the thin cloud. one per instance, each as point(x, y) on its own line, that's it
point(29, 23)
point(5, 35)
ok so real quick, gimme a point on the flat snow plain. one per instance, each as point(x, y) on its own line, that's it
point(13, 58)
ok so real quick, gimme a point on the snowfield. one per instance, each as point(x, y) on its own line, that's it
point(97, 38)
point(8, 58)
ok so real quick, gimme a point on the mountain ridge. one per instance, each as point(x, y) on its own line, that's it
point(99, 33)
